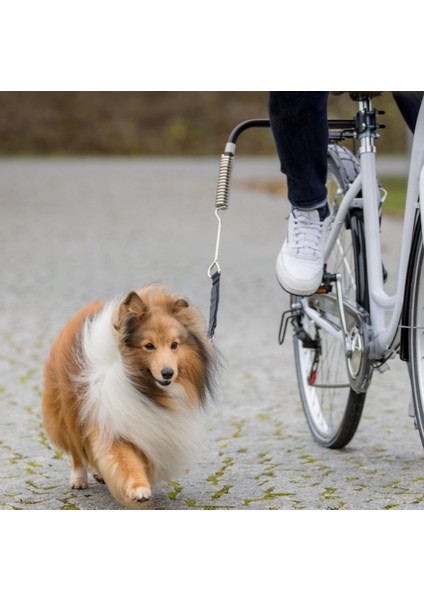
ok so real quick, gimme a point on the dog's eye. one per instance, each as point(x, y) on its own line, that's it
point(174, 345)
point(149, 346)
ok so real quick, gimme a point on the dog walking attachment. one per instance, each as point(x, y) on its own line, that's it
point(221, 203)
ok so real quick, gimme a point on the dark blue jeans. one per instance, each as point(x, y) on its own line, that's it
point(299, 125)
point(409, 105)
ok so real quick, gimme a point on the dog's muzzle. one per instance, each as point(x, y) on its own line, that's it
point(167, 376)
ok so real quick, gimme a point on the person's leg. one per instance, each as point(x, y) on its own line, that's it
point(409, 104)
point(300, 129)
point(299, 126)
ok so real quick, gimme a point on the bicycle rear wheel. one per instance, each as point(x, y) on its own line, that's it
point(332, 408)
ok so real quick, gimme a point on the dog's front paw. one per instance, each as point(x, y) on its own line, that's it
point(140, 494)
point(78, 483)
point(78, 479)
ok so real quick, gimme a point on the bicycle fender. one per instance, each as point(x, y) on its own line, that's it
point(405, 317)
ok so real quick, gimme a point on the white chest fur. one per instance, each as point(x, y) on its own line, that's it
point(168, 437)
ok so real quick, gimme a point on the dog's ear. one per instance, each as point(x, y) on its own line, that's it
point(130, 313)
point(179, 305)
point(132, 306)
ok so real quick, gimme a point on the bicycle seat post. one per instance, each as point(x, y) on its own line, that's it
point(366, 124)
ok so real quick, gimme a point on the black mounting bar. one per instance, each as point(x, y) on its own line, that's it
point(333, 124)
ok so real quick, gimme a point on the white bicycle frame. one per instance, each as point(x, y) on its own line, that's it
point(385, 310)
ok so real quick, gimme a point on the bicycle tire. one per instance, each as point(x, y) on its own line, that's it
point(416, 331)
point(332, 408)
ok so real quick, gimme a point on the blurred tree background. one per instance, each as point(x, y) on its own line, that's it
point(153, 123)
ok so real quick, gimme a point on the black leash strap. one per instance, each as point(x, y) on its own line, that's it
point(213, 312)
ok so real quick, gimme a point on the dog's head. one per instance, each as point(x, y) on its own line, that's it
point(153, 331)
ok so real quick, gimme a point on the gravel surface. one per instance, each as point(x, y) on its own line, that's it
point(74, 230)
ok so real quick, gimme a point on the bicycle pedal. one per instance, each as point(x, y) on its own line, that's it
point(324, 288)
point(326, 284)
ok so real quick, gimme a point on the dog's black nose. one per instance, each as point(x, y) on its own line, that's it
point(167, 373)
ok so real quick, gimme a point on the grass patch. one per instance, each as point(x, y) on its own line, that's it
point(396, 195)
point(224, 490)
point(177, 489)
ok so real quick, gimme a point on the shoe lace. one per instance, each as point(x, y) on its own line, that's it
point(306, 240)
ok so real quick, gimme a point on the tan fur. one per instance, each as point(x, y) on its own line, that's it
point(157, 333)
point(60, 403)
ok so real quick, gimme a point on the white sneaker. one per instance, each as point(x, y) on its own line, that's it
point(300, 262)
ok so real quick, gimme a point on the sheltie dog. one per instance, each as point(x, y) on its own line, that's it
point(125, 386)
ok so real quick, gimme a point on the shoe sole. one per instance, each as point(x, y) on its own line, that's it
point(310, 291)
point(295, 292)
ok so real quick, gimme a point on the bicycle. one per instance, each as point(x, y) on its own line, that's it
point(350, 327)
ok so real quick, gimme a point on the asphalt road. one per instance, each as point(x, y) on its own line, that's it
point(73, 230)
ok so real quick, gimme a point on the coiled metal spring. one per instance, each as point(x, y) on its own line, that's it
point(224, 176)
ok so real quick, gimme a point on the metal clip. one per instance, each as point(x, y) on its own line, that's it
point(214, 267)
